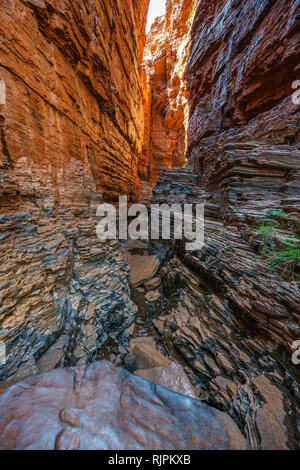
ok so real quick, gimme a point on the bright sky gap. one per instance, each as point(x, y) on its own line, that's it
point(156, 8)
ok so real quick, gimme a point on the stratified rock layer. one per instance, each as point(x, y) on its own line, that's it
point(166, 104)
point(233, 320)
point(244, 58)
point(64, 293)
point(104, 407)
point(71, 129)
point(73, 118)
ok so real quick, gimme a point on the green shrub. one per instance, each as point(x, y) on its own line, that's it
point(286, 260)
point(264, 231)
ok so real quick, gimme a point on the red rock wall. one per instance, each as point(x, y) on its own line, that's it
point(71, 128)
point(243, 60)
point(73, 119)
point(165, 98)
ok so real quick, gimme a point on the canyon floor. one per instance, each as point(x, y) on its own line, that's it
point(188, 333)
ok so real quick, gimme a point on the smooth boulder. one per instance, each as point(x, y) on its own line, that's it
point(102, 407)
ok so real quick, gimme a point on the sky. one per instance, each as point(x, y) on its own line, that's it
point(156, 8)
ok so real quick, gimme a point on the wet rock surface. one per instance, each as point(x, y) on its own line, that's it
point(171, 376)
point(104, 407)
point(143, 354)
point(142, 268)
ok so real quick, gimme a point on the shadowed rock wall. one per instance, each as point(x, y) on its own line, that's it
point(244, 58)
point(233, 318)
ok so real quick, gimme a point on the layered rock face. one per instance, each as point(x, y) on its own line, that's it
point(231, 318)
point(244, 58)
point(71, 126)
point(73, 118)
point(166, 104)
point(233, 321)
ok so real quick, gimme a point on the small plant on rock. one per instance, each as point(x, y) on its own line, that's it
point(281, 217)
point(264, 231)
point(287, 260)
point(283, 255)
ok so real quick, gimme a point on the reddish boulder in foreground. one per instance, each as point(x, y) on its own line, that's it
point(105, 407)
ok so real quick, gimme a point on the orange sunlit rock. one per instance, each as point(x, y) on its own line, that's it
point(166, 105)
point(73, 119)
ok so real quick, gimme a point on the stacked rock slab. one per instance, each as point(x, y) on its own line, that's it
point(71, 128)
point(63, 291)
point(166, 100)
point(233, 321)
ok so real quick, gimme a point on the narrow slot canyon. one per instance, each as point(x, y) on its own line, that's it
point(138, 344)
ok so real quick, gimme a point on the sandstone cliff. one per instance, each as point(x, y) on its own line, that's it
point(166, 104)
point(73, 119)
point(71, 124)
point(82, 120)
point(243, 60)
